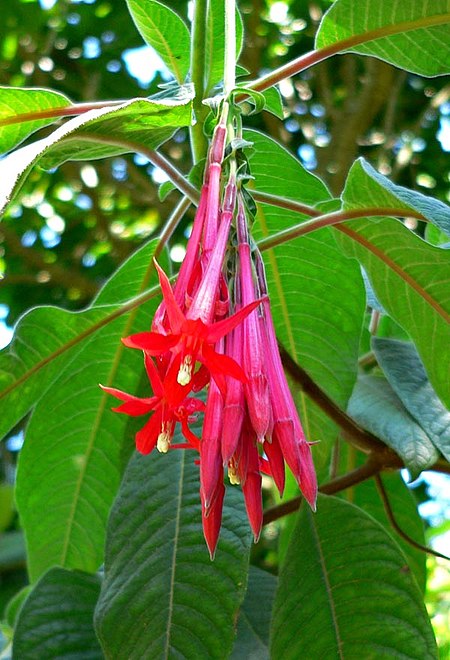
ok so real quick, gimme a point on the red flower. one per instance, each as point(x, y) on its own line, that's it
point(169, 405)
point(192, 339)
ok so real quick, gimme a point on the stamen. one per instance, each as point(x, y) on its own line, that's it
point(185, 372)
point(164, 438)
point(233, 475)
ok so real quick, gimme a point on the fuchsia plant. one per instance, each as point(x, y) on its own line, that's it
point(251, 424)
point(299, 326)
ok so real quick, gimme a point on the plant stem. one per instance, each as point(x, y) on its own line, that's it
point(329, 219)
point(229, 72)
point(284, 203)
point(172, 224)
point(369, 469)
point(56, 113)
point(390, 514)
point(199, 144)
point(315, 56)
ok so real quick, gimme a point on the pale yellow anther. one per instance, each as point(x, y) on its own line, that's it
point(163, 442)
point(185, 372)
point(233, 476)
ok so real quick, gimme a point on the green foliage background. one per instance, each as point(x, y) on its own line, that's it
point(70, 229)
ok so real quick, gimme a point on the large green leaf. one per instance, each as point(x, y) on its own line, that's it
point(375, 406)
point(345, 592)
point(411, 34)
point(318, 297)
point(404, 370)
point(409, 276)
point(98, 134)
point(366, 187)
point(403, 506)
point(48, 338)
point(215, 43)
point(18, 101)
point(56, 620)
point(253, 626)
point(162, 597)
point(72, 436)
point(166, 32)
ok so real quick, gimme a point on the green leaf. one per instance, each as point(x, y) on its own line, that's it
point(405, 372)
point(253, 626)
point(403, 505)
point(47, 337)
point(305, 274)
point(15, 604)
point(410, 280)
point(162, 596)
point(345, 591)
point(162, 29)
point(215, 43)
point(411, 34)
point(366, 187)
point(375, 406)
point(16, 101)
point(56, 619)
point(98, 134)
point(72, 437)
point(274, 103)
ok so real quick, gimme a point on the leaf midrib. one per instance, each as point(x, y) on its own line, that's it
point(101, 409)
point(326, 579)
point(173, 567)
point(397, 269)
point(164, 42)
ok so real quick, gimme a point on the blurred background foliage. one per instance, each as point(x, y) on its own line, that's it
point(72, 227)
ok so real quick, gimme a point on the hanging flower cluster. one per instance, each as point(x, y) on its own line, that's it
point(214, 330)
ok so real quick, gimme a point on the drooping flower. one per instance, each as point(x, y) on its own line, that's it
point(168, 406)
point(214, 330)
point(192, 339)
point(253, 357)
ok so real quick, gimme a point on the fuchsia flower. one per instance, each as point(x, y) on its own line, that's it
point(250, 425)
point(192, 339)
point(169, 405)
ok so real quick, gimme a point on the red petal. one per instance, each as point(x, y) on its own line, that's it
point(233, 417)
point(152, 342)
point(131, 399)
point(308, 479)
point(176, 316)
point(218, 363)
point(211, 466)
point(253, 502)
point(136, 408)
point(194, 442)
point(221, 328)
point(212, 520)
point(147, 437)
point(153, 376)
point(276, 463)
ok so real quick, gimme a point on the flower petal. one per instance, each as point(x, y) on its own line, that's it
point(276, 463)
point(221, 328)
point(147, 437)
point(217, 363)
point(212, 519)
point(137, 407)
point(176, 316)
point(152, 342)
point(149, 402)
point(153, 376)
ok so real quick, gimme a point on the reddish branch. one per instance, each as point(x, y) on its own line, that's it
point(380, 457)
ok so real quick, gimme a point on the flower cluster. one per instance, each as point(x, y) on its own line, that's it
point(214, 330)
